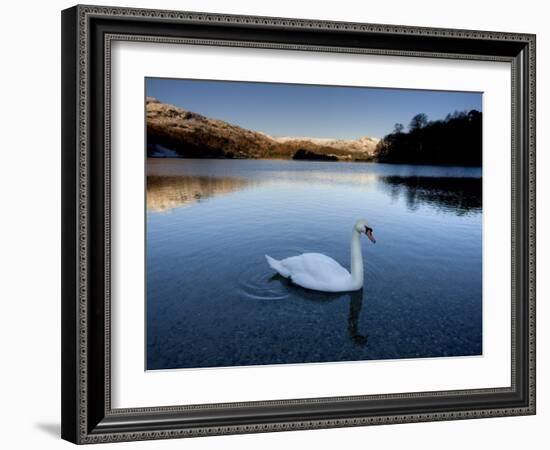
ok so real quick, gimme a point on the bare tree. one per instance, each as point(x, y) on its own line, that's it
point(418, 121)
point(398, 128)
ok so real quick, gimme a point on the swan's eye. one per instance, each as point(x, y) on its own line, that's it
point(367, 229)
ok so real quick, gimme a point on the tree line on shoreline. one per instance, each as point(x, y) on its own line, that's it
point(455, 140)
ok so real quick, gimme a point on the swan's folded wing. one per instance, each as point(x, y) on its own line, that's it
point(334, 284)
point(317, 271)
point(316, 265)
point(304, 280)
point(323, 267)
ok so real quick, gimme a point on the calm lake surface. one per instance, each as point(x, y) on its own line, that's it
point(213, 301)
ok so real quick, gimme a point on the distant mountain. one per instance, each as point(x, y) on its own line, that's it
point(176, 132)
point(360, 146)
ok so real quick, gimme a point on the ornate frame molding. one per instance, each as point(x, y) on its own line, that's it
point(86, 421)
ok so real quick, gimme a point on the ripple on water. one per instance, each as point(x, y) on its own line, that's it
point(256, 283)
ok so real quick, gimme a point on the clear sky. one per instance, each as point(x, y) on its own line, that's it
point(308, 110)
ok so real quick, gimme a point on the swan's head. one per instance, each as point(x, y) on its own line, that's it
point(362, 226)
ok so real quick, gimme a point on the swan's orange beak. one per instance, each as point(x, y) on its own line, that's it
point(368, 232)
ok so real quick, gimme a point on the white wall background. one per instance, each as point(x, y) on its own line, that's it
point(30, 225)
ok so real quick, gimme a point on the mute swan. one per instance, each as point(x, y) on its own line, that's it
point(322, 273)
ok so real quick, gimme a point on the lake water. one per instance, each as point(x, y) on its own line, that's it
point(213, 301)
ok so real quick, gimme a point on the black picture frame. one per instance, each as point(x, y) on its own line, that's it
point(87, 33)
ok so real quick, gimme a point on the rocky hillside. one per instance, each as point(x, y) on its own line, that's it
point(173, 131)
point(354, 149)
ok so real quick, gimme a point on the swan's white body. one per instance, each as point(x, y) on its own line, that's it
point(322, 273)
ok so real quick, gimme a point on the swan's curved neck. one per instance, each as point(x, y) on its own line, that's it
point(356, 259)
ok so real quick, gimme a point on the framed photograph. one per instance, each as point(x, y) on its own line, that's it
point(278, 224)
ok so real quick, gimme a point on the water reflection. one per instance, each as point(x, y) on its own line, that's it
point(450, 194)
point(459, 195)
point(327, 177)
point(168, 192)
point(355, 306)
point(355, 299)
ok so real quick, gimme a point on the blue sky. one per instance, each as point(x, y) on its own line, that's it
point(308, 110)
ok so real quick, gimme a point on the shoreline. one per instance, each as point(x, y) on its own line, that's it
point(360, 161)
